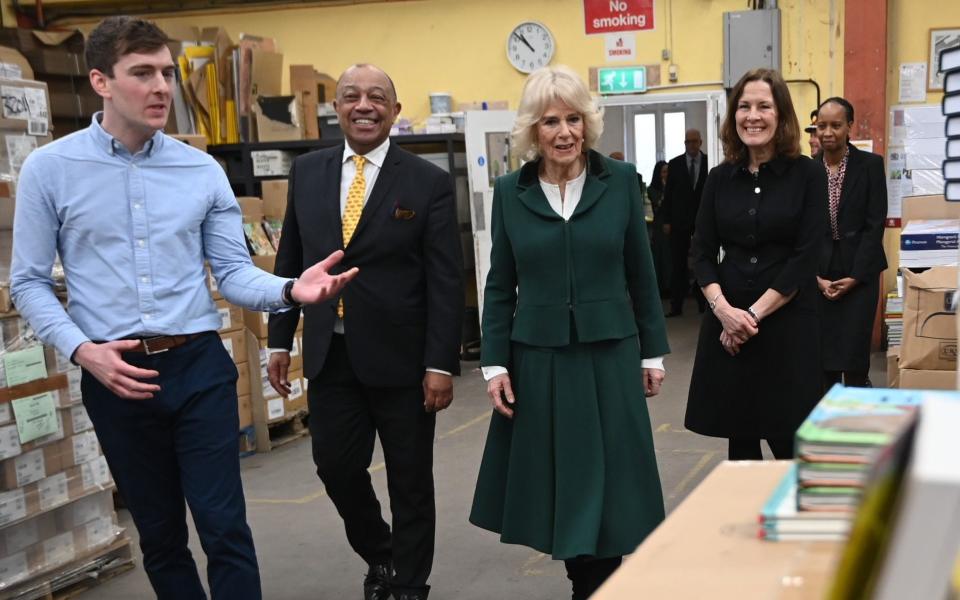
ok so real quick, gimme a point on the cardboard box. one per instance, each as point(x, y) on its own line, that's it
point(278, 119)
point(922, 379)
point(265, 262)
point(15, 146)
point(231, 316)
point(29, 467)
point(274, 192)
point(928, 207)
point(245, 409)
point(929, 327)
point(78, 449)
point(312, 88)
point(49, 52)
point(243, 378)
point(26, 107)
point(236, 344)
point(257, 322)
point(893, 367)
point(13, 61)
point(251, 207)
point(297, 400)
point(197, 141)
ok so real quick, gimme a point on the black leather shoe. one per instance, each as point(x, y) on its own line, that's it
point(412, 594)
point(376, 585)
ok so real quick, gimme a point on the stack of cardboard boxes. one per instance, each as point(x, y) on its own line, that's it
point(56, 505)
point(927, 355)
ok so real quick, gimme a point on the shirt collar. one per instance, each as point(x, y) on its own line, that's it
point(376, 156)
point(112, 145)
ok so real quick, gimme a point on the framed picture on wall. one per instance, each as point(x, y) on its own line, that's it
point(940, 40)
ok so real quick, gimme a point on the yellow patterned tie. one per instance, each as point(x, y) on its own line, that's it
point(352, 209)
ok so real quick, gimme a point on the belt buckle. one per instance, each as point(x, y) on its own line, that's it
point(146, 345)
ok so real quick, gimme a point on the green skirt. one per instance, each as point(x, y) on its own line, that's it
point(574, 472)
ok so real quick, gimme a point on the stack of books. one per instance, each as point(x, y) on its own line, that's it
point(781, 519)
point(840, 439)
point(930, 243)
point(893, 319)
point(950, 67)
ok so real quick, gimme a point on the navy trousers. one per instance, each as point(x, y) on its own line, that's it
point(181, 444)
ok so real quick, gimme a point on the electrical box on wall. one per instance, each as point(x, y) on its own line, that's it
point(751, 39)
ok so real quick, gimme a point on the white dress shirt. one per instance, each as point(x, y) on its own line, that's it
point(565, 205)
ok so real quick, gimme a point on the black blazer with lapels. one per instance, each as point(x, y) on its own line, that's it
point(681, 197)
point(861, 216)
point(404, 309)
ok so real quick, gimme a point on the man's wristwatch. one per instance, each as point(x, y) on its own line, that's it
point(287, 294)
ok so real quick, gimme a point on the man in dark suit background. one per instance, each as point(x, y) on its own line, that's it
point(380, 361)
point(681, 199)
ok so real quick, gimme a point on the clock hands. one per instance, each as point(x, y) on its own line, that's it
point(520, 37)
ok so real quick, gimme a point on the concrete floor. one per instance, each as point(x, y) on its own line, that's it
point(302, 549)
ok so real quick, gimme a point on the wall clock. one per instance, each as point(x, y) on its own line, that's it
point(530, 46)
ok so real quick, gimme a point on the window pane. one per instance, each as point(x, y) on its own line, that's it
point(645, 144)
point(674, 129)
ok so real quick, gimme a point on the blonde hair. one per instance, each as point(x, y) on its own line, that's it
point(542, 88)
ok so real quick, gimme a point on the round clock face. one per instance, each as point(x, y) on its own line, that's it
point(530, 46)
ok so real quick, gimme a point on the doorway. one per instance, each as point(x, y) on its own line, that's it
point(650, 128)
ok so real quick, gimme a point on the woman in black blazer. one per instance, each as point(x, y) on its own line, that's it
point(852, 256)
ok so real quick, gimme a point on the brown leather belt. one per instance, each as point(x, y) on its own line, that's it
point(162, 343)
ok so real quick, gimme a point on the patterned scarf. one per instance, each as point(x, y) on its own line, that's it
point(835, 187)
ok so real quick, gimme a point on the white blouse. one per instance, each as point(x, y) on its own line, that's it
point(564, 206)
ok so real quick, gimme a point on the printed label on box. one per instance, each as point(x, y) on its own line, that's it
point(73, 378)
point(21, 536)
point(211, 281)
point(37, 127)
point(228, 344)
point(85, 447)
point(296, 390)
point(95, 473)
point(271, 163)
point(24, 103)
point(99, 531)
point(56, 435)
point(64, 364)
point(5, 414)
point(30, 467)
point(225, 322)
point(10, 71)
point(13, 568)
point(36, 416)
point(88, 509)
point(59, 549)
point(24, 365)
point(54, 491)
point(274, 409)
point(13, 506)
point(9, 442)
point(81, 420)
point(18, 148)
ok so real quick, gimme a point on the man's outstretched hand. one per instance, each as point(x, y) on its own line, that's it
point(316, 284)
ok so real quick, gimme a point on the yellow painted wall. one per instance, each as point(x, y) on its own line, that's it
point(458, 46)
point(908, 37)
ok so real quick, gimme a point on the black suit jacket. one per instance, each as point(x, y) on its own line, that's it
point(404, 310)
point(681, 197)
point(863, 210)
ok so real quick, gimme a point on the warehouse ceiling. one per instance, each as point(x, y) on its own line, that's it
point(48, 13)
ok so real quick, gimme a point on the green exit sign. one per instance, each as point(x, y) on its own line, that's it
point(622, 80)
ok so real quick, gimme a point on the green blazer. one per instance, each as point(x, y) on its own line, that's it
point(594, 271)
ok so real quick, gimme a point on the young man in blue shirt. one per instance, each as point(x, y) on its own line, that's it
point(134, 214)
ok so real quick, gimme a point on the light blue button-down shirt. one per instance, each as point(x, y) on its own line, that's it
point(132, 232)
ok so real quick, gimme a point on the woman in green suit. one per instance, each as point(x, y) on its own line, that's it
point(573, 340)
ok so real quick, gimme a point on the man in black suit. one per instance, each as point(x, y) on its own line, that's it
point(681, 199)
point(381, 360)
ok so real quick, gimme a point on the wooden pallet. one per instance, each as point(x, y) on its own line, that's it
point(78, 577)
point(291, 428)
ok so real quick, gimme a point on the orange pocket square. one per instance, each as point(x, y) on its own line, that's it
point(404, 214)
